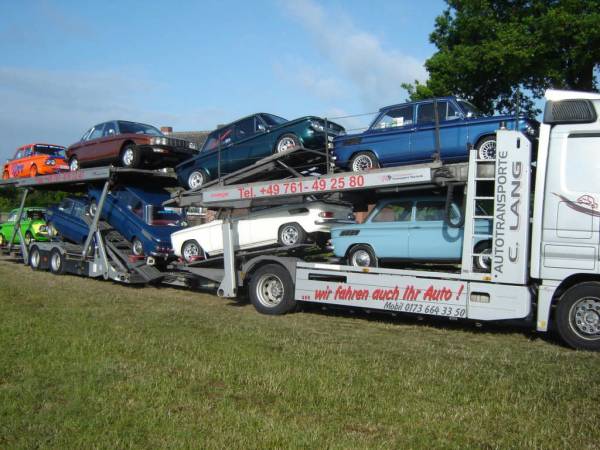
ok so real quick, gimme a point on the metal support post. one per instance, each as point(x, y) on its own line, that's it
point(437, 156)
point(95, 220)
point(327, 155)
point(17, 229)
point(228, 287)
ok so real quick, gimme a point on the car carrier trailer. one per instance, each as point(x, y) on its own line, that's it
point(545, 267)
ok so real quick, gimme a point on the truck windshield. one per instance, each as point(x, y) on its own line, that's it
point(161, 216)
point(50, 150)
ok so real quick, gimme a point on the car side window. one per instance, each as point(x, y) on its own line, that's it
point(244, 129)
point(79, 210)
point(110, 129)
point(137, 207)
point(12, 217)
point(19, 154)
point(425, 112)
point(452, 113)
point(66, 206)
point(394, 212)
point(397, 117)
point(429, 211)
point(96, 132)
point(28, 152)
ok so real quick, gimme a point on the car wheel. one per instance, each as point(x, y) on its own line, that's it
point(291, 234)
point(137, 248)
point(272, 290)
point(34, 258)
point(73, 164)
point(28, 238)
point(57, 262)
point(362, 256)
point(364, 161)
point(287, 142)
point(578, 316)
point(130, 156)
point(483, 262)
point(190, 250)
point(33, 171)
point(486, 148)
point(52, 232)
point(196, 179)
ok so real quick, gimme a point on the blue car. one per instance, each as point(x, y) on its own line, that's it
point(138, 215)
point(67, 219)
point(410, 229)
point(405, 134)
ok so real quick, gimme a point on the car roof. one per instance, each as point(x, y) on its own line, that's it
point(242, 118)
point(413, 198)
point(23, 147)
point(449, 97)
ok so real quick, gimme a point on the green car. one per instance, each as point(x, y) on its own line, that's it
point(33, 226)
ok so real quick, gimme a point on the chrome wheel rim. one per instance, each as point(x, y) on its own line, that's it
point(74, 165)
point(484, 260)
point(190, 251)
point(195, 180)
point(285, 144)
point(55, 261)
point(269, 290)
point(35, 259)
point(137, 248)
point(487, 150)
point(362, 163)
point(289, 235)
point(361, 258)
point(128, 157)
point(584, 318)
point(93, 208)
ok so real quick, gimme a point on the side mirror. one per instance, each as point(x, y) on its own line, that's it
point(469, 114)
point(261, 127)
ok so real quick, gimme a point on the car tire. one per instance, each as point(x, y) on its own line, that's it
point(28, 238)
point(271, 290)
point(486, 148)
point(287, 142)
point(130, 157)
point(362, 256)
point(578, 316)
point(34, 258)
point(483, 263)
point(363, 161)
point(57, 262)
point(290, 234)
point(92, 207)
point(190, 250)
point(137, 248)
point(196, 179)
point(74, 164)
point(33, 171)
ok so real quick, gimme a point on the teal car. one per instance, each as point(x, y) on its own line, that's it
point(242, 143)
point(410, 229)
point(33, 226)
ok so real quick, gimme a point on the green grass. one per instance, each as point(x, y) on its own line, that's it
point(87, 363)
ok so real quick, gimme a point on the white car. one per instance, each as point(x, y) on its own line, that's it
point(284, 225)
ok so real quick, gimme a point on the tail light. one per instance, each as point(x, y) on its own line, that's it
point(326, 214)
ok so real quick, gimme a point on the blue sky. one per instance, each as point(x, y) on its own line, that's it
point(67, 65)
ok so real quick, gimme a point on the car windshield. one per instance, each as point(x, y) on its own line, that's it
point(470, 109)
point(50, 150)
point(138, 128)
point(35, 214)
point(161, 216)
point(272, 120)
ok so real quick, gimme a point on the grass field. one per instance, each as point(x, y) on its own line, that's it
point(88, 364)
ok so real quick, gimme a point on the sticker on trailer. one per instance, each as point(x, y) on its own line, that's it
point(311, 185)
point(446, 298)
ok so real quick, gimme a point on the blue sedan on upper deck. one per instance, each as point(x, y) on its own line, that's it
point(405, 134)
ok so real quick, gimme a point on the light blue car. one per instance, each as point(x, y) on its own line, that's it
point(410, 229)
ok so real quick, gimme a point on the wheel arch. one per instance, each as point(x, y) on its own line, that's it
point(250, 267)
point(571, 281)
point(484, 136)
point(283, 133)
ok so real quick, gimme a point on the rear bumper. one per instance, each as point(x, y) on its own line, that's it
point(165, 154)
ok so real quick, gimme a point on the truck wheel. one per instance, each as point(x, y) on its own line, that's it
point(486, 148)
point(364, 161)
point(578, 316)
point(272, 290)
point(287, 142)
point(130, 156)
point(57, 262)
point(34, 258)
point(291, 234)
point(362, 256)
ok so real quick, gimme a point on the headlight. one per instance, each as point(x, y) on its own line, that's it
point(159, 140)
point(42, 229)
point(192, 146)
point(50, 162)
point(316, 126)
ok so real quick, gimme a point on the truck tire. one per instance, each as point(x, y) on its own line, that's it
point(272, 290)
point(57, 262)
point(578, 316)
point(34, 258)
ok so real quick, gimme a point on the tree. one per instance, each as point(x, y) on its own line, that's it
point(489, 50)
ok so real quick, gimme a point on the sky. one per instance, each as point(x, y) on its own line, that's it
point(68, 65)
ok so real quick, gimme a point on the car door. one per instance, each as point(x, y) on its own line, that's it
point(63, 221)
point(453, 133)
point(390, 136)
point(387, 229)
point(224, 151)
point(109, 145)
point(91, 151)
point(16, 166)
point(430, 236)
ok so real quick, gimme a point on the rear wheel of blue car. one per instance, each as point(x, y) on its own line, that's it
point(287, 142)
point(363, 161)
point(362, 256)
point(486, 148)
point(196, 179)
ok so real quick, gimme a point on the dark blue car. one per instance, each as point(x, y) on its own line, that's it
point(405, 134)
point(139, 216)
point(67, 219)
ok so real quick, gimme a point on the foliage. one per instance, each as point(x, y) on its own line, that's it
point(489, 50)
point(10, 198)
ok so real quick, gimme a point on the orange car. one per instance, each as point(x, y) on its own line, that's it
point(35, 159)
